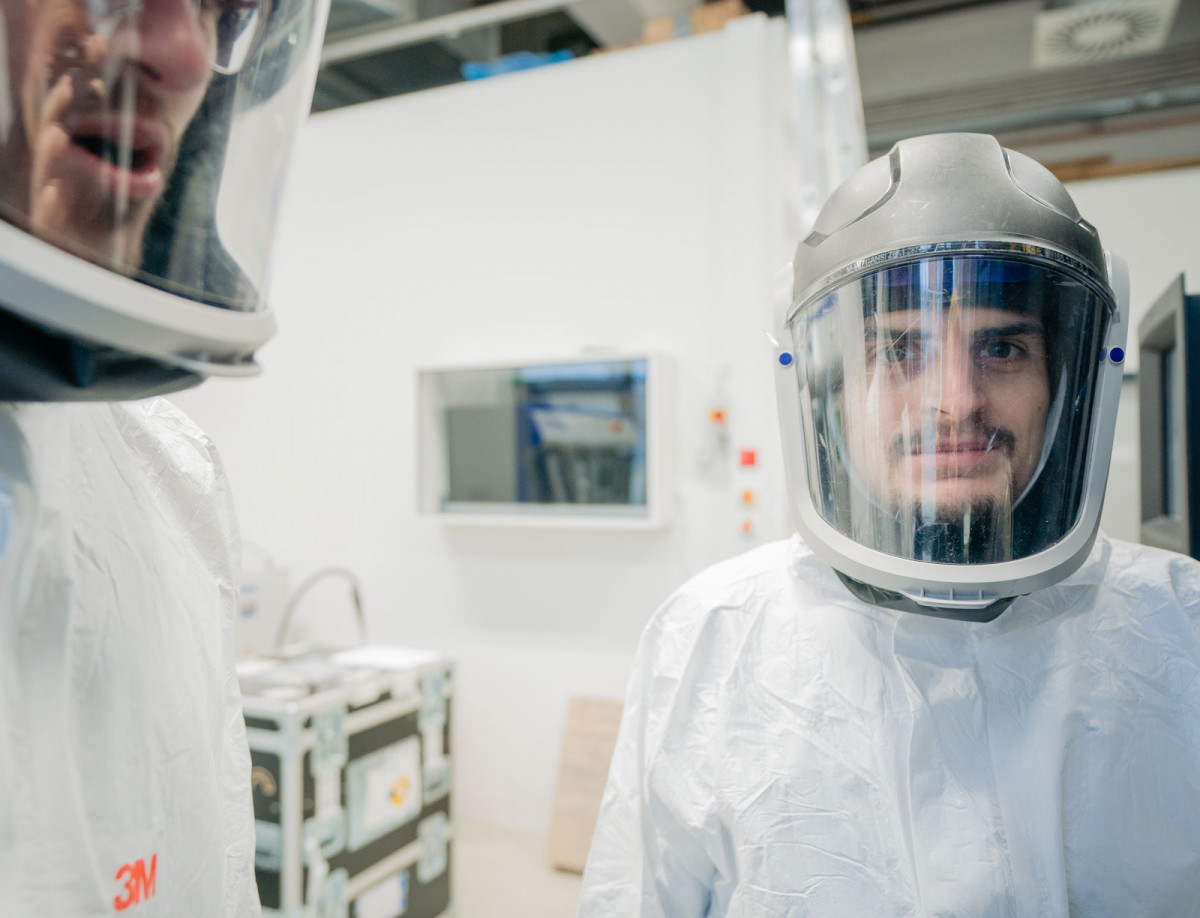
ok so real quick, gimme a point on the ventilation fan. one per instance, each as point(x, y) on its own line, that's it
point(1101, 30)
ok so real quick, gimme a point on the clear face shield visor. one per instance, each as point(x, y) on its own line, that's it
point(150, 137)
point(947, 404)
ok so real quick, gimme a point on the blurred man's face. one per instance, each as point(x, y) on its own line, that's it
point(955, 402)
point(101, 108)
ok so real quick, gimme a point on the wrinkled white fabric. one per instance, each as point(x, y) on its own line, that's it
point(123, 757)
point(788, 750)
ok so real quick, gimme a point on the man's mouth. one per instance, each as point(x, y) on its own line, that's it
point(136, 160)
point(949, 446)
point(951, 454)
point(125, 159)
point(957, 458)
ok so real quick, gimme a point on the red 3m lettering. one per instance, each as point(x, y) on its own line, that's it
point(139, 883)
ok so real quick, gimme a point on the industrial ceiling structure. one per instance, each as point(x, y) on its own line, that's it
point(1096, 86)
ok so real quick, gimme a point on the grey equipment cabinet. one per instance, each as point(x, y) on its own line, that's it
point(350, 755)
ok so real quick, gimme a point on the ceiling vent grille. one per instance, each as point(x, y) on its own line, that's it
point(1102, 30)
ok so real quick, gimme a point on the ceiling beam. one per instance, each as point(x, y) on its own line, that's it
point(374, 39)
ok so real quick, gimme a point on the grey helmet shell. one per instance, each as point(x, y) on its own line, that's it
point(943, 189)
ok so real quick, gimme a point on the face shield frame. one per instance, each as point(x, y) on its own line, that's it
point(76, 297)
point(971, 592)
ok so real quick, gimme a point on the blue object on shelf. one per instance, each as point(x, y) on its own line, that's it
point(510, 63)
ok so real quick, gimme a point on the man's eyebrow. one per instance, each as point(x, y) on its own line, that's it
point(1034, 329)
point(876, 331)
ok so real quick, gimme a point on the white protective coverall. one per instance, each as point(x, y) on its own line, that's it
point(123, 757)
point(788, 750)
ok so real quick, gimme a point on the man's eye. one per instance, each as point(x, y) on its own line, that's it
point(899, 350)
point(1002, 350)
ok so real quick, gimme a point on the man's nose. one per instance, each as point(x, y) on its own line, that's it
point(957, 385)
point(174, 44)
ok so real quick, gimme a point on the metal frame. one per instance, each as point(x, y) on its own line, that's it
point(430, 438)
point(1168, 324)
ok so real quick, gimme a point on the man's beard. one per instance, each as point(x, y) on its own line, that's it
point(979, 534)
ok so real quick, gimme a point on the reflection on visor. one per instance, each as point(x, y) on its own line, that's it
point(948, 402)
point(982, 270)
point(239, 24)
point(994, 282)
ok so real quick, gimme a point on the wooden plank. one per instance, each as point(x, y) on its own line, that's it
point(1105, 167)
point(588, 743)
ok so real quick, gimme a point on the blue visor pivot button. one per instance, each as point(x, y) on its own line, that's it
point(785, 359)
point(1116, 354)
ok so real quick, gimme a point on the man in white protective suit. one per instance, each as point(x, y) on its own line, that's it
point(130, 130)
point(948, 694)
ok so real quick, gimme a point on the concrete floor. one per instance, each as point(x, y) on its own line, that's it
point(503, 873)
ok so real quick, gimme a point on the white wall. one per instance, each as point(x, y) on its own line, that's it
point(632, 200)
point(1150, 221)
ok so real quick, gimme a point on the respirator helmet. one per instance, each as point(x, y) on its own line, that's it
point(143, 145)
point(949, 372)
